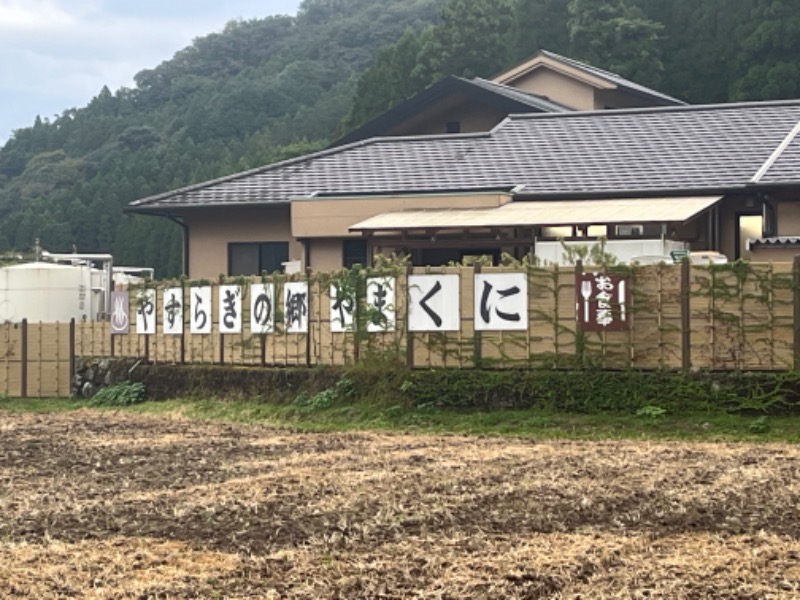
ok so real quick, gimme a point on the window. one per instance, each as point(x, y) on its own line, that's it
point(354, 252)
point(255, 258)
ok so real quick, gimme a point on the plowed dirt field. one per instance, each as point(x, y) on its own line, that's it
point(117, 505)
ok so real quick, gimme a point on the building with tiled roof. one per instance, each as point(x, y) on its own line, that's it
point(682, 177)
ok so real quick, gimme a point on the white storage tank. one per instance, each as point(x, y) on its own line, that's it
point(49, 292)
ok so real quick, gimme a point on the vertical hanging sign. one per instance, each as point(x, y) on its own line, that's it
point(230, 309)
point(601, 302)
point(343, 304)
point(146, 312)
point(434, 302)
point(200, 309)
point(380, 304)
point(173, 311)
point(120, 322)
point(501, 302)
point(295, 306)
point(262, 307)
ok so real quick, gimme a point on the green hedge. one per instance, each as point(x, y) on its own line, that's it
point(593, 391)
point(577, 391)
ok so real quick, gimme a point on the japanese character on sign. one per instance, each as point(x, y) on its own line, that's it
point(262, 302)
point(380, 304)
point(200, 309)
point(146, 312)
point(343, 305)
point(173, 311)
point(601, 302)
point(501, 302)
point(230, 309)
point(295, 306)
point(120, 323)
point(434, 302)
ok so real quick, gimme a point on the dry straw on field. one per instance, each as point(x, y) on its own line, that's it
point(105, 505)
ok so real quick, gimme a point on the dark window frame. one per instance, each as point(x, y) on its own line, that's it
point(350, 257)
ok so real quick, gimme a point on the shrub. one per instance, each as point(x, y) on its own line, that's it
point(125, 393)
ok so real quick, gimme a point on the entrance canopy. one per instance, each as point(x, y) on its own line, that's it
point(544, 213)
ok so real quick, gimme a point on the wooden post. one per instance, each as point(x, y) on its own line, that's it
point(477, 351)
point(409, 334)
point(580, 340)
point(72, 351)
point(183, 327)
point(23, 392)
point(263, 349)
point(308, 306)
point(686, 315)
point(796, 287)
point(222, 348)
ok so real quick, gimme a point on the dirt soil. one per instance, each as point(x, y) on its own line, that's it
point(116, 505)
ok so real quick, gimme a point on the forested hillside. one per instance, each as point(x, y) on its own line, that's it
point(259, 91)
point(267, 89)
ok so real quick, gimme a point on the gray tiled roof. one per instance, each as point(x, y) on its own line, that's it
point(617, 80)
point(602, 153)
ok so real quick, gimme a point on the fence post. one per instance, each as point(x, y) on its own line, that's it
point(477, 350)
point(580, 336)
point(686, 315)
point(409, 334)
point(23, 391)
point(72, 351)
point(796, 301)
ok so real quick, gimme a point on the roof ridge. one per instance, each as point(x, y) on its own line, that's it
point(773, 158)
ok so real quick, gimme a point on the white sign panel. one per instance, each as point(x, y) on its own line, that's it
point(146, 312)
point(434, 302)
point(262, 307)
point(342, 308)
point(501, 302)
point(380, 303)
point(200, 309)
point(230, 309)
point(120, 325)
point(173, 311)
point(295, 306)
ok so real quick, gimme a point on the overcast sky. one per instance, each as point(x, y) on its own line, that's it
point(58, 54)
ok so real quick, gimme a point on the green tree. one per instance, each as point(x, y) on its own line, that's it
point(616, 35)
point(770, 55)
point(540, 25)
point(473, 38)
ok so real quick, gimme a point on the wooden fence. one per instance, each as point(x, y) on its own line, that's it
point(741, 316)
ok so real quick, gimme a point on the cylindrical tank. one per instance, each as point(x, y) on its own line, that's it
point(48, 292)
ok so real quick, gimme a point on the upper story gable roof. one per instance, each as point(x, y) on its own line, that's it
point(677, 150)
point(498, 95)
point(588, 73)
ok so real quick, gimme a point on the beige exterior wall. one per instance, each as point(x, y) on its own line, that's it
point(211, 229)
point(774, 254)
point(332, 217)
point(787, 214)
point(558, 87)
point(326, 254)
